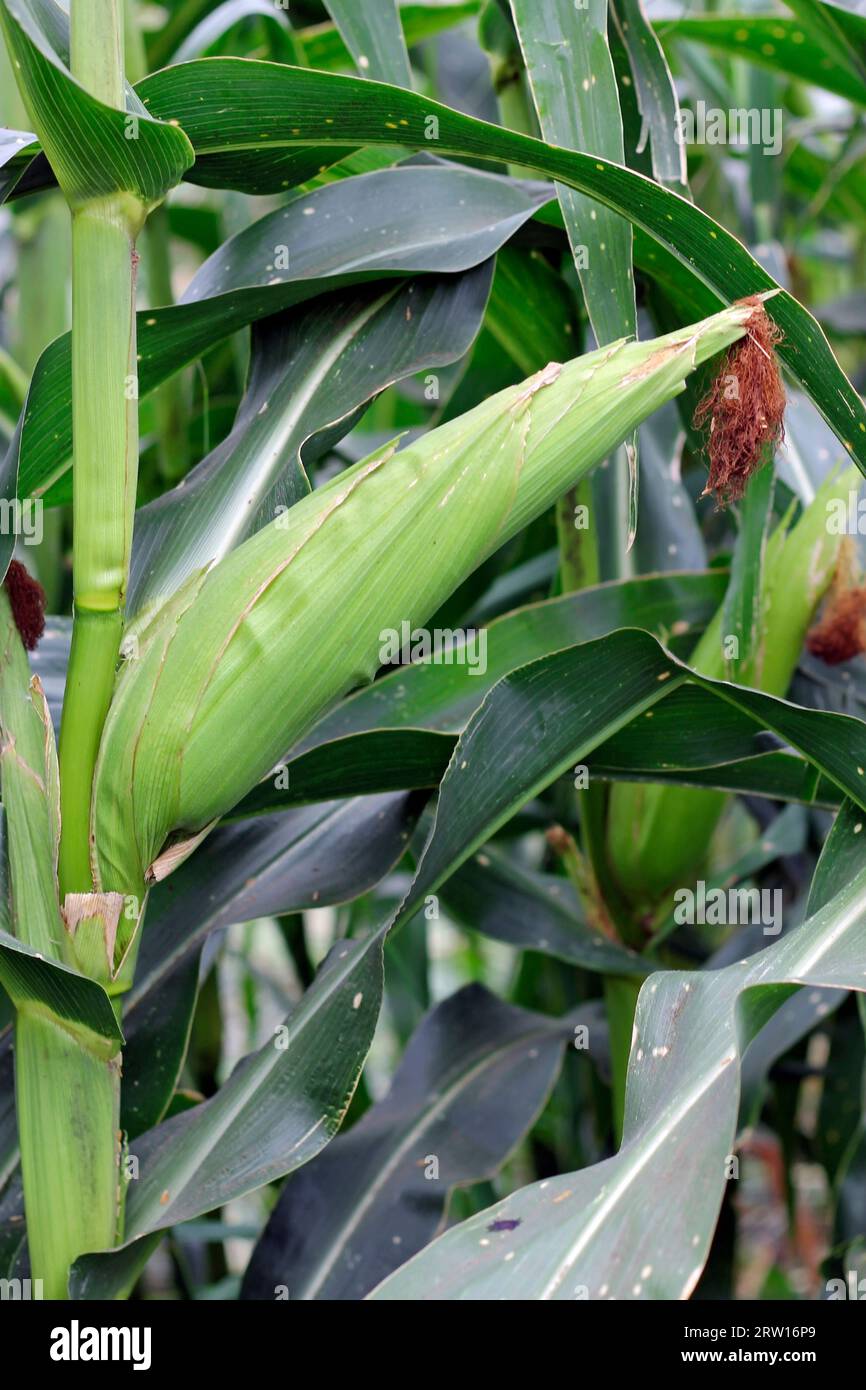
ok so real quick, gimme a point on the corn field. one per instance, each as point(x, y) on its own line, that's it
point(432, 694)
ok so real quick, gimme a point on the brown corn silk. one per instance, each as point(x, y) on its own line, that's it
point(744, 407)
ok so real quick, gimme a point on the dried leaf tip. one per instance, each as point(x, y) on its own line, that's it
point(558, 839)
point(745, 406)
point(27, 600)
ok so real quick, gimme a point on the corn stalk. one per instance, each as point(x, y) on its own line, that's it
point(105, 433)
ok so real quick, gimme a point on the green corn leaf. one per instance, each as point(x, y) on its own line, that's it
point(530, 314)
point(398, 759)
point(323, 855)
point(47, 988)
point(581, 111)
point(472, 1080)
point(842, 31)
point(327, 107)
point(789, 46)
point(94, 150)
point(538, 707)
point(654, 89)
point(325, 48)
point(17, 153)
point(373, 35)
point(694, 730)
point(240, 284)
point(533, 912)
point(778, 776)
point(593, 1234)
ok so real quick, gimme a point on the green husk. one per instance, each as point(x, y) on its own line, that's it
point(229, 663)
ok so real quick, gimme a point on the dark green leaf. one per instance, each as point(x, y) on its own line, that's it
point(472, 1080)
point(253, 101)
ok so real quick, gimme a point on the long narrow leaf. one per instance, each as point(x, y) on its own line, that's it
point(252, 100)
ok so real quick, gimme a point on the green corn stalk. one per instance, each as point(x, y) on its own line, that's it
point(227, 660)
point(105, 439)
point(108, 209)
point(105, 450)
point(658, 835)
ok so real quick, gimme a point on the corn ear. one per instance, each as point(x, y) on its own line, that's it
point(658, 835)
point(241, 660)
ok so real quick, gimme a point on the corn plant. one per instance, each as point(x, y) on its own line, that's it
point(431, 747)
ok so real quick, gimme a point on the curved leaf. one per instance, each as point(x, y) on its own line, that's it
point(574, 88)
point(254, 101)
point(17, 153)
point(593, 1234)
point(94, 149)
point(317, 857)
point(37, 985)
point(240, 283)
point(532, 911)
point(472, 1080)
point(842, 31)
